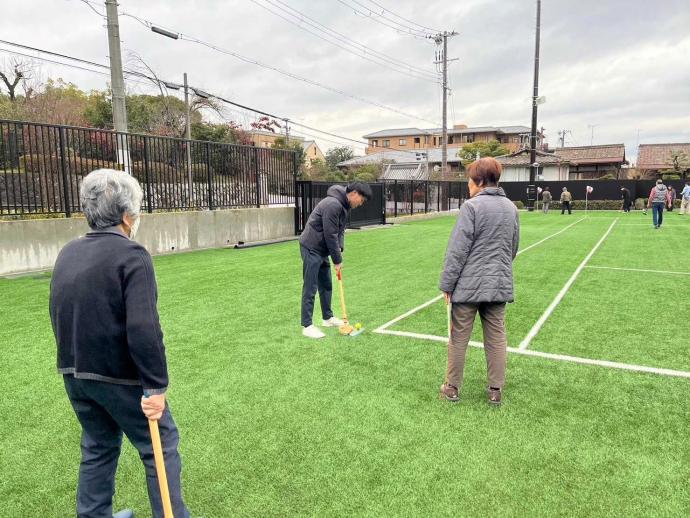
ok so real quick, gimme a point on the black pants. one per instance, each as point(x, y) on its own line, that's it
point(316, 274)
point(566, 205)
point(105, 411)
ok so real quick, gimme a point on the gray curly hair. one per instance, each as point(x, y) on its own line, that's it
point(106, 195)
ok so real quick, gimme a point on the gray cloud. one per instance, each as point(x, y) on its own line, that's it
point(619, 65)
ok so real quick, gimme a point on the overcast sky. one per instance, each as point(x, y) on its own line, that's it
point(619, 67)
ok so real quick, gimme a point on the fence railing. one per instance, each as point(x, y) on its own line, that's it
point(406, 197)
point(42, 165)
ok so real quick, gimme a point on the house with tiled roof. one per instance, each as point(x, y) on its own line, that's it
point(654, 158)
point(591, 162)
point(516, 167)
point(410, 139)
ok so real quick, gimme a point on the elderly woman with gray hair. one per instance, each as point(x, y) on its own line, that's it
point(110, 348)
point(478, 276)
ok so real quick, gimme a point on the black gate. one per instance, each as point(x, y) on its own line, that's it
point(308, 194)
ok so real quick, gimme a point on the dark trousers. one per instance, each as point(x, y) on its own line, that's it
point(316, 275)
point(566, 205)
point(658, 213)
point(105, 411)
point(626, 205)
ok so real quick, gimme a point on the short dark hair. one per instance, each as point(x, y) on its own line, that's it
point(361, 188)
point(485, 171)
point(546, 188)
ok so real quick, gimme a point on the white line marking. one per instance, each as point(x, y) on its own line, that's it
point(549, 237)
point(536, 327)
point(637, 270)
point(552, 356)
point(405, 315)
point(439, 297)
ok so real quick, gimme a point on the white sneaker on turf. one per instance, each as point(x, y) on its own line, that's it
point(312, 332)
point(333, 322)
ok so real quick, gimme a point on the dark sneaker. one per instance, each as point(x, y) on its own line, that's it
point(494, 396)
point(449, 393)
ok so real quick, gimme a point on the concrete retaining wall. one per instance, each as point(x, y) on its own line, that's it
point(34, 244)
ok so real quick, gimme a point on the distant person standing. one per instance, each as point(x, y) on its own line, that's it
point(659, 198)
point(566, 200)
point(672, 194)
point(685, 199)
point(625, 194)
point(546, 199)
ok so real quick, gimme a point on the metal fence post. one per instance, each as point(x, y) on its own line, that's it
point(411, 197)
point(257, 178)
point(438, 197)
point(294, 183)
point(63, 170)
point(208, 171)
point(395, 198)
point(426, 196)
point(147, 175)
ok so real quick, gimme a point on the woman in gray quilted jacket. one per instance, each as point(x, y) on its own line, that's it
point(478, 276)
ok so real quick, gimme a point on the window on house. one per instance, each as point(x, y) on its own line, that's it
point(417, 140)
point(374, 143)
point(314, 151)
point(402, 142)
point(450, 139)
point(386, 143)
point(470, 138)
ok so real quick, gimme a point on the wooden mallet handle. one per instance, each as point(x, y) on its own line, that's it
point(160, 468)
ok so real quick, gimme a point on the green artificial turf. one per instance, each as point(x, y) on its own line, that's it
point(273, 424)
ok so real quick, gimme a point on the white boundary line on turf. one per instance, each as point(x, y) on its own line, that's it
point(558, 357)
point(537, 327)
point(381, 328)
point(637, 270)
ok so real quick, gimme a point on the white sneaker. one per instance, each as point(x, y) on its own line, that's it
point(312, 332)
point(333, 322)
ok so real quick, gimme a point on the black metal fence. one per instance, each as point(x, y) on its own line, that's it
point(309, 194)
point(42, 165)
point(405, 197)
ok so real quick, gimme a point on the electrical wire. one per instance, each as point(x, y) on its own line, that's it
point(379, 18)
point(405, 19)
point(182, 36)
point(359, 48)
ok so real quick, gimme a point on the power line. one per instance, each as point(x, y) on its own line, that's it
point(70, 65)
point(381, 19)
point(157, 81)
point(405, 19)
point(182, 36)
point(359, 50)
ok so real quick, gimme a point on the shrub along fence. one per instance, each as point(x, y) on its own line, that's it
point(42, 165)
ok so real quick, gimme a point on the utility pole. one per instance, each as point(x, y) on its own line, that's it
point(532, 189)
point(287, 132)
point(561, 137)
point(592, 126)
point(442, 39)
point(117, 82)
point(188, 137)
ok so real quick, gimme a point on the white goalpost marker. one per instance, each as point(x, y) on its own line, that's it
point(637, 270)
point(439, 297)
point(537, 327)
point(554, 356)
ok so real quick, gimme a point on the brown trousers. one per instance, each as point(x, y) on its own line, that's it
point(495, 342)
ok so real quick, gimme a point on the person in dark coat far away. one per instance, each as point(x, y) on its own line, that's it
point(625, 194)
